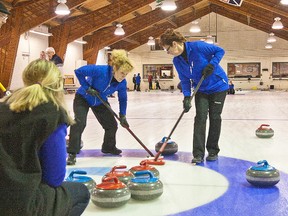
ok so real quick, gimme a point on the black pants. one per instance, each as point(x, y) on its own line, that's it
point(212, 104)
point(138, 87)
point(150, 85)
point(135, 86)
point(157, 85)
point(104, 117)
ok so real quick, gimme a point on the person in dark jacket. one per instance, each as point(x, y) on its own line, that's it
point(192, 61)
point(52, 56)
point(138, 82)
point(104, 80)
point(33, 126)
point(134, 82)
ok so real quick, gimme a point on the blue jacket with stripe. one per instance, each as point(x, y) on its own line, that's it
point(99, 77)
point(199, 55)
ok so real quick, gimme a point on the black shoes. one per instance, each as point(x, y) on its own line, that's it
point(71, 160)
point(212, 157)
point(114, 151)
point(197, 160)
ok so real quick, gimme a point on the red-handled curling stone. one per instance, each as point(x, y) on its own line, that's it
point(143, 167)
point(145, 186)
point(171, 147)
point(110, 194)
point(262, 175)
point(123, 176)
point(264, 131)
point(87, 181)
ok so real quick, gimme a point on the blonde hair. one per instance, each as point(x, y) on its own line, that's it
point(120, 61)
point(43, 82)
point(171, 35)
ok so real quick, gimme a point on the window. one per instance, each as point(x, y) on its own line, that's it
point(279, 69)
point(164, 71)
point(244, 70)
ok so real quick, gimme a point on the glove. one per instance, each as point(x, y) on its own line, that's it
point(123, 121)
point(208, 70)
point(92, 91)
point(187, 103)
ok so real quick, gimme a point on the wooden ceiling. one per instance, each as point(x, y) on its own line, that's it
point(95, 21)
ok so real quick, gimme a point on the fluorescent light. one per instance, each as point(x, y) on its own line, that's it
point(168, 5)
point(268, 46)
point(80, 41)
point(62, 8)
point(271, 38)
point(151, 41)
point(277, 24)
point(41, 33)
point(195, 28)
point(119, 30)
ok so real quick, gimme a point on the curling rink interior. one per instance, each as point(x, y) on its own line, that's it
point(213, 188)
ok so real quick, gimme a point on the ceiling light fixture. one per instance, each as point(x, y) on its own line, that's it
point(80, 41)
point(41, 33)
point(119, 30)
point(62, 8)
point(271, 38)
point(151, 41)
point(268, 46)
point(168, 5)
point(277, 24)
point(284, 2)
point(195, 28)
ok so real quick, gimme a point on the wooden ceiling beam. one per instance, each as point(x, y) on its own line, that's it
point(267, 7)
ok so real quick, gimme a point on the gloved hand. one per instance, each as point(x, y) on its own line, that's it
point(123, 121)
point(187, 103)
point(208, 70)
point(92, 91)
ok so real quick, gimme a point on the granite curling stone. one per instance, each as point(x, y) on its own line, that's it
point(110, 194)
point(87, 181)
point(145, 186)
point(170, 148)
point(123, 176)
point(144, 166)
point(264, 131)
point(262, 175)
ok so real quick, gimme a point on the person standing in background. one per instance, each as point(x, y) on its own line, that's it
point(134, 82)
point(138, 82)
point(150, 80)
point(193, 60)
point(157, 81)
point(42, 55)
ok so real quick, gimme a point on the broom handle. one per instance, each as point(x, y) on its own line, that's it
point(180, 117)
point(127, 128)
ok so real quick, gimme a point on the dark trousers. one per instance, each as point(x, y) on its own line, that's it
point(212, 104)
point(79, 196)
point(135, 86)
point(150, 85)
point(104, 117)
point(157, 85)
point(138, 87)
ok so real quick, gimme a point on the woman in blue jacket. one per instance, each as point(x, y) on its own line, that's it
point(192, 61)
point(105, 80)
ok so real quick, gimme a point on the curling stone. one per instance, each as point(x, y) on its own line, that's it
point(89, 182)
point(262, 175)
point(264, 131)
point(144, 166)
point(145, 186)
point(110, 194)
point(123, 176)
point(170, 148)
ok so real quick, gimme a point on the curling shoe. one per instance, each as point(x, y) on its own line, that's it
point(71, 160)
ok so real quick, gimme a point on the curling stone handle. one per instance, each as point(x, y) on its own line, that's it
point(263, 125)
point(113, 178)
point(79, 172)
point(144, 172)
point(264, 162)
point(164, 139)
point(118, 167)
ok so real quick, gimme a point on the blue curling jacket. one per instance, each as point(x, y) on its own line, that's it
point(99, 77)
point(199, 55)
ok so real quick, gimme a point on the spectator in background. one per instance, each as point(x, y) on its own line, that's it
point(52, 56)
point(157, 81)
point(138, 82)
point(134, 82)
point(42, 55)
point(231, 88)
point(150, 79)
